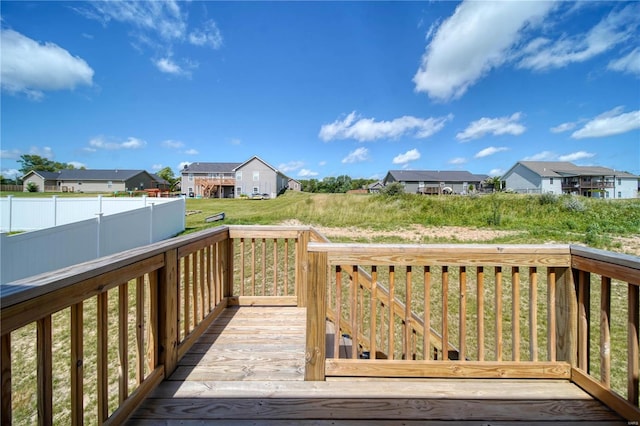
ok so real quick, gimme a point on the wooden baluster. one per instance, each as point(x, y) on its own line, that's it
point(275, 267)
point(353, 311)
point(480, 291)
point(315, 358)
point(426, 343)
point(463, 314)
point(584, 319)
point(373, 313)
point(406, 344)
point(253, 266)
point(633, 336)
point(5, 372)
point(77, 365)
point(45, 370)
point(498, 304)
point(515, 313)
point(153, 333)
point(392, 288)
point(338, 312)
point(187, 296)
point(286, 268)
point(202, 260)
point(140, 329)
point(264, 266)
point(242, 273)
point(123, 342)
point(445, 313)
point(533, 313)
point(102, 357)
point(194, 288)
point(605, 332)
point(551, 314)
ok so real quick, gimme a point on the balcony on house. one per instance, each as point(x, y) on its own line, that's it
point(587, 183)
point(277, 325)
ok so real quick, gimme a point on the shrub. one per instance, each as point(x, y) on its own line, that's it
point(548, 198)
point(32, 187)
point(573, 204)
point(393, 189)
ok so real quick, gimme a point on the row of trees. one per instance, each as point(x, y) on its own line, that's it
point(332, 184)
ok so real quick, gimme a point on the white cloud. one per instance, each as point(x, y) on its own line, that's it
point(541, 156)
point(290, 166)
point(10, 173)
point(494, 126)
point(172, 144)
point(574, 156)
point(564, 127)
point(496, 172)
point(368, 129)
point(169, 66)
point(31, 68)
point(613, 122)
point(12, 154)
point(101, 143)
point(235, 141)
point(490, 151)
point(307, 173)
point(615, 28)
point(457, 161)
point(157, 167)
point(472, 42)
point(191, 151)
point(183, 164)
point(629, 63)
point(359, 155)
point(209, 35)
point(411, 155)
point(45, 152)
point(322, 163)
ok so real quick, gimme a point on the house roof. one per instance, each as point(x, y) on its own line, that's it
point(255, 157)
point(435, 176)
point(565, 168)
point(201, 167)
point(85, 174)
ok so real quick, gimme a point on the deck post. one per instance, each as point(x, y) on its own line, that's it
point(226, 257)
point(302, 267)
point(566, 308)
point(315, 354)
point(168, 312)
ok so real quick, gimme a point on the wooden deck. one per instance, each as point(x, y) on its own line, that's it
point(248, 369)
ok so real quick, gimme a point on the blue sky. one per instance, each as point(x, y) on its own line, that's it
point(321, 89)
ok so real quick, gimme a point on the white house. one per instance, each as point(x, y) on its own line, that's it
point(562, 177)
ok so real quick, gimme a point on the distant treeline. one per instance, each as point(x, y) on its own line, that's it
point(334, 185)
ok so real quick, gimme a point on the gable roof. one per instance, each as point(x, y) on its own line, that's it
point(200, 167)
point(434, 176)
point(255, 157)
point(86, 175)
point(565, 168)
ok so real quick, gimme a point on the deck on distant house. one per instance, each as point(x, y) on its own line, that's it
point(248, 369)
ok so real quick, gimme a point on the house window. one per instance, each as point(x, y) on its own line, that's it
point(551, 181)
point(619, 194)
point(256, 176)
point(238, 190)
point(238, 175)
point(256, 189)
point(190, 177)
point(619, 181)
point(109, 184)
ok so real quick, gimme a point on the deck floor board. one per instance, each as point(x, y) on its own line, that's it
point(248, 369)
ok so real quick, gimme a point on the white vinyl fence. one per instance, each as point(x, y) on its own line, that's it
point(30, 253)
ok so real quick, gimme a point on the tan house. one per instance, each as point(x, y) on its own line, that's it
point(81, 180)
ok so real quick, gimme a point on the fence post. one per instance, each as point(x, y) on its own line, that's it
point(302, 266)
point(168, 312)
point(316, 317)
point(10, 198)
point(566, 317)
point(55, 210)
point(151, 223)
point(98, 233)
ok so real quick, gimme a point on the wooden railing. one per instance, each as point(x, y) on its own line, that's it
point(500, 312)
point(88, 343)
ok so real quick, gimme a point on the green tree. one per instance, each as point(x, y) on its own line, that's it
point(167, 174)
point(36, 162)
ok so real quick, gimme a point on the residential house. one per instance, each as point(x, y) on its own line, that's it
point(562, 177)
point(83, 180)
point(435, 182)
point(256, 176)
point(232, 180)
point(375, 187)
point(209, 180)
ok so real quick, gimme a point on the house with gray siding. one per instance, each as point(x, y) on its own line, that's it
point(209, 180)
point(435, 182)
point(563, 177)
point(256, 176)
point(92, 181)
